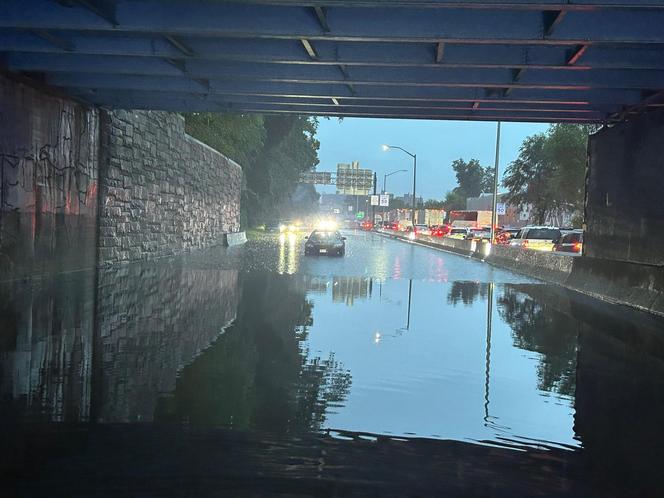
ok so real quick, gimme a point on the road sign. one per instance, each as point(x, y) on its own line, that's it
point(501, 209)
point(359, 215)
point(384, 200)
point(375, 200)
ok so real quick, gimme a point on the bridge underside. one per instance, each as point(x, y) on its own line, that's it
point(522, 60)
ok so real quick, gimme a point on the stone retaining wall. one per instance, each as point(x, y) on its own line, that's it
point(162, 192)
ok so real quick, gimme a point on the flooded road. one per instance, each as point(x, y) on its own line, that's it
point(395, 370)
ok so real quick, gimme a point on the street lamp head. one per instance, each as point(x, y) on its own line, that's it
point(386, 147)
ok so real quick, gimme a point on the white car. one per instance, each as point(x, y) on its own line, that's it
point(422, 230)
point(540, 238)
point(458, 233)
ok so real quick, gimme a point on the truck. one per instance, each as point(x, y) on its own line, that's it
point(434, 217)
point(470, 219)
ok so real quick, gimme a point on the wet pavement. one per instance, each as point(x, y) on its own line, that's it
point(396, 370)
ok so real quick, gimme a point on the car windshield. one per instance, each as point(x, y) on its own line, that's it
point(543, 233)
point(459, 230)
point(324, 236)
point(572, 238)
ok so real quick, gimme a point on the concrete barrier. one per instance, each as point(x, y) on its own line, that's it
point(636, 285)
point(235, 239)
point(632, 284)
point(549, 266)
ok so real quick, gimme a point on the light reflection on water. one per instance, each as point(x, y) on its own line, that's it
point(304, 345)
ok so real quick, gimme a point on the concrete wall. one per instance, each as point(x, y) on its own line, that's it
point(625, 192)
point(48, 180)
point(163, 192)
point(67, 170)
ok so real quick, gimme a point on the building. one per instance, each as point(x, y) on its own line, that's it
point(407, 199)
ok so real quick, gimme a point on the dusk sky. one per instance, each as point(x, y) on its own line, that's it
point(436, 143)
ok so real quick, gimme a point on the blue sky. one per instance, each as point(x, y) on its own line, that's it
point(436, 143)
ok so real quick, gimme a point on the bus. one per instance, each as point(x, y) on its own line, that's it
point(470, 219)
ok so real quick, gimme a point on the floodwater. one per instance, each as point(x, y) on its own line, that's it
point(397, 370)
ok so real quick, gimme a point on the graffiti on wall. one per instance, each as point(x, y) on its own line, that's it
point(48, 182)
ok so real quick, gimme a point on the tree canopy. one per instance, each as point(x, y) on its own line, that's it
point(272, 150)
point(550, 170)
point(472, 180)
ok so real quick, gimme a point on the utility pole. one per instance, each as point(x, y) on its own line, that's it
point(414, 175)
point(494, 214)
point(373, 208)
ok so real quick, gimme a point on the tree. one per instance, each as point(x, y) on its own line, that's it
point(470, 176)
point(272, 150)
point(454, 200)
point(550, 170)
point(434, 204)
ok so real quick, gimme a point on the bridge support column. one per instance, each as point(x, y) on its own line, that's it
point(624, 212)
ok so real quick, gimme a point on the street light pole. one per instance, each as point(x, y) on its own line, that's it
point(494, 214)
point(414, 198)
point(414, 156)
point(390, 174)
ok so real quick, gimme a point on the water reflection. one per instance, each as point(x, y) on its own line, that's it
point(104, 346)
point(276, 369)
point(466, 292)
point(46, 347)
point(260, 375)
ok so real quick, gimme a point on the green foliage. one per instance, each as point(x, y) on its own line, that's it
point(237, 136)
point(472, 180)
point(434, 204)
point(550, 170)
point(454, 200)
point(272, 150)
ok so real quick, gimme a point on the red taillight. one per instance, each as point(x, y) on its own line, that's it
point(577, 247)
point(525, 243)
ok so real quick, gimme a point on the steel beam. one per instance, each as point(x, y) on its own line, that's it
point(346, 53)
point(356, 75)
point(305, 91)
point(292, 22)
